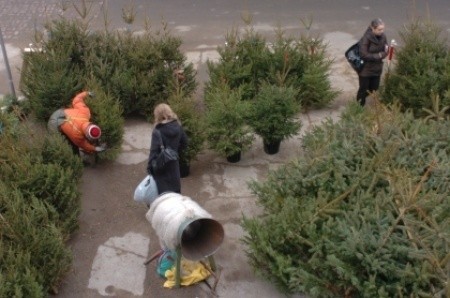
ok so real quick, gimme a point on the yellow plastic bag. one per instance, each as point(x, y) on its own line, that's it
point(191, 273)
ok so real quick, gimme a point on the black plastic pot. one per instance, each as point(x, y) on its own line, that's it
point(272, 148)
point(234, 158)
point(185, 169)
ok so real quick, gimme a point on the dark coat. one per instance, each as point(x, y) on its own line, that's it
point(370, 48)
point(173, 135)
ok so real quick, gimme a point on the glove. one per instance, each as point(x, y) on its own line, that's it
point(100, 148)
point(91, 94)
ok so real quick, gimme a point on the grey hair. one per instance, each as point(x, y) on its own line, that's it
point(376, 22)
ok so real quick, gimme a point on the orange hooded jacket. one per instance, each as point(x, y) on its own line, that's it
point(77, 120)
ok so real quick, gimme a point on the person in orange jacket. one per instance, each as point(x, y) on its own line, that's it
point(74, 123)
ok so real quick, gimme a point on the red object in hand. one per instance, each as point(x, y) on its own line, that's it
point(390, 52)
point(391, 49)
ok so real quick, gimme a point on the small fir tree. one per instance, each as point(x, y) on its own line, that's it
point(191, 116)
point(272, 113)
point(422, 68)
point(227, 132)
point(106, 112)
point(242, 63)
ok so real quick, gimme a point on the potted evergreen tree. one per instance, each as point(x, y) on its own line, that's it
point(191, 118)
point(226, 129)
point(272, 115)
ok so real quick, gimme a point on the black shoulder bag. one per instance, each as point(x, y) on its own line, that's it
point(353, 57)
point(165, 155)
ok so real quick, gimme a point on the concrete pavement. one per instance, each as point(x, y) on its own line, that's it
point(115, 238)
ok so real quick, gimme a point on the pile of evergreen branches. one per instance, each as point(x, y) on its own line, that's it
point(363, 213)
point(39, 207)
point(136, 70)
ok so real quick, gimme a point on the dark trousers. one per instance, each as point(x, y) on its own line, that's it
point(366, 86)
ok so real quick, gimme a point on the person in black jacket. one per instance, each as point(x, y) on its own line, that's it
point(172, 135)
point(373, 48)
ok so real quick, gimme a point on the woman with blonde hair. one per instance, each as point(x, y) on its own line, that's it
point(168, 132)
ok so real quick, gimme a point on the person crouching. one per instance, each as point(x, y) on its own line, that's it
point(75, 125)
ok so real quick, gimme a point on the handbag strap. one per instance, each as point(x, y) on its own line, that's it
point(161, 138)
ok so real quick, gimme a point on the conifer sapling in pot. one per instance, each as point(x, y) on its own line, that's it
point(272, 115)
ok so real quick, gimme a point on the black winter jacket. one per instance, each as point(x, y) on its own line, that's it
point(370, 48)
point(173, 136)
